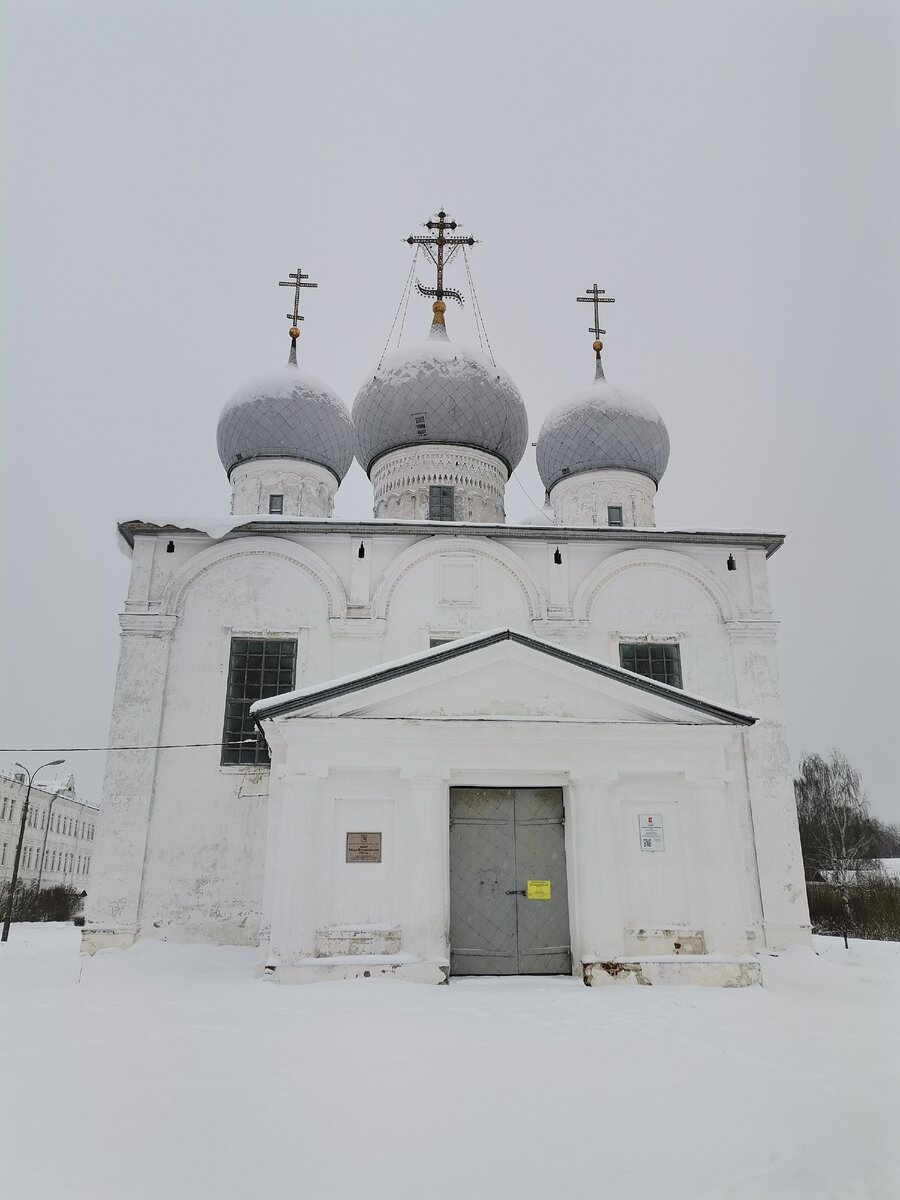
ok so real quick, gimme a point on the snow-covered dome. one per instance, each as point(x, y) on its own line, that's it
point(602, 427)
point(439, 393)
point(286, 414)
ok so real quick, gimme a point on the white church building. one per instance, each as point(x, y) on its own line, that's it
point(428, 743)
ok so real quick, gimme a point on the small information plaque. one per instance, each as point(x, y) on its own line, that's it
point(363, 847)
point(538, 889)
point(652, 837)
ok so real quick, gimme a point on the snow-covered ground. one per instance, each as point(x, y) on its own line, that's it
point(166, 1072)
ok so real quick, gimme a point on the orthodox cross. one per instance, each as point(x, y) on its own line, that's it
point(296, 280)
point(596, 296)
point(445, 246)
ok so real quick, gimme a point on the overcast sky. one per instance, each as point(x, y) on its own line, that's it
point(726, 170)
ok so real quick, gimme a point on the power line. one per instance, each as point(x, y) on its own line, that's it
point(105, 749)
point(407, 288)
point(477, 308)
point(540, 511)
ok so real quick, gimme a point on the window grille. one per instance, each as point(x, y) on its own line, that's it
point(258, 668)
point(440, 503)
point(657, 660)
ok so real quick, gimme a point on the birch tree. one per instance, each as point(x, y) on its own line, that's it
point(835, 826)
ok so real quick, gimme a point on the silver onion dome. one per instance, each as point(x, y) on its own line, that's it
point(602, 427)
point(286, 414)
point(444, 393)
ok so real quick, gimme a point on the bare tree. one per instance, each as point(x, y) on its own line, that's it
point(835, 827)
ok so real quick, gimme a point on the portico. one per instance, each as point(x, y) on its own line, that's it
point(387, 751)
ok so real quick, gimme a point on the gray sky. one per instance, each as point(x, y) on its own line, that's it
point(727, 171)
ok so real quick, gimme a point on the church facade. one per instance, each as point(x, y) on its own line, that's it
point(429, 743)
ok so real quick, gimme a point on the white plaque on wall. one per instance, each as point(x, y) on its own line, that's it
point(651, 830)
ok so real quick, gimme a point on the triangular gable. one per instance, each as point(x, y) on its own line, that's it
point(499, 674)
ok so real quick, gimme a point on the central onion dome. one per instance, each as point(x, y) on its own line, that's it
point(439, 427)
point(439, 393)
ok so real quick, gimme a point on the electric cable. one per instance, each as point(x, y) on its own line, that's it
point(405, 293)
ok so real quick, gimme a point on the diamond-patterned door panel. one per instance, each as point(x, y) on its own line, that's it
point(482, 872)
point(500, 838)
point(543, 925)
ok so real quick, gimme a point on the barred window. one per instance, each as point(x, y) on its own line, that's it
point(440, 503)
point(258, 667)
point(657, 660)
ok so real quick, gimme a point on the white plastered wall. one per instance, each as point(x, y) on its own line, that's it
point(702, 882)
point(181, 842)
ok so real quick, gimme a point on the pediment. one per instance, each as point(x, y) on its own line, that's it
point(504, 675)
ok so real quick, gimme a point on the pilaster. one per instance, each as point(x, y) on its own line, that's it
point(595, 889)
point(770, 781)
point(721, 909)
point(423, 825)
point(294, 873)
point(113, 916)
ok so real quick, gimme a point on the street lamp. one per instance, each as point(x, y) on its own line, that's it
point(57, 762)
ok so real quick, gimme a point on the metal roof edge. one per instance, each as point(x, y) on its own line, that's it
point(384, 674)
point(770, 542)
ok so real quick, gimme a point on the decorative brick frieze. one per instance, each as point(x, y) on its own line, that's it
point(402, 480)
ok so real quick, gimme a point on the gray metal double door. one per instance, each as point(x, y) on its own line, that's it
point(507, 848)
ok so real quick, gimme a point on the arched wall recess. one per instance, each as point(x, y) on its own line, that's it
point(272, 548)
point(666, 560)
point(491, 552)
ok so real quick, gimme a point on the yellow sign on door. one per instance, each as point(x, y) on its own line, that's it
point(538, 889)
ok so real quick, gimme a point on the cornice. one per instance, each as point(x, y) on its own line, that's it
point(759, 540)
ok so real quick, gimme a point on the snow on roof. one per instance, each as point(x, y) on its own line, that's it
point(272, 705)
point(220, 526)
point(57, 785)
point(66, 783)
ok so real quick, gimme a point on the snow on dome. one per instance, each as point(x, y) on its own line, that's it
point(439, 393)
point(286, 414)
point(602, 427)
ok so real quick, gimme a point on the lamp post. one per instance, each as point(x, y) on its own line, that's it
point(57, 762)
point(53, 800)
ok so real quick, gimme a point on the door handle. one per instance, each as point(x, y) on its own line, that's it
point(516, 892)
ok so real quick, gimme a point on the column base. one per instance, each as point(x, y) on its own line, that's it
point(95, 938)
point(782, 937)
point(356, 966)
point(702, 970)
